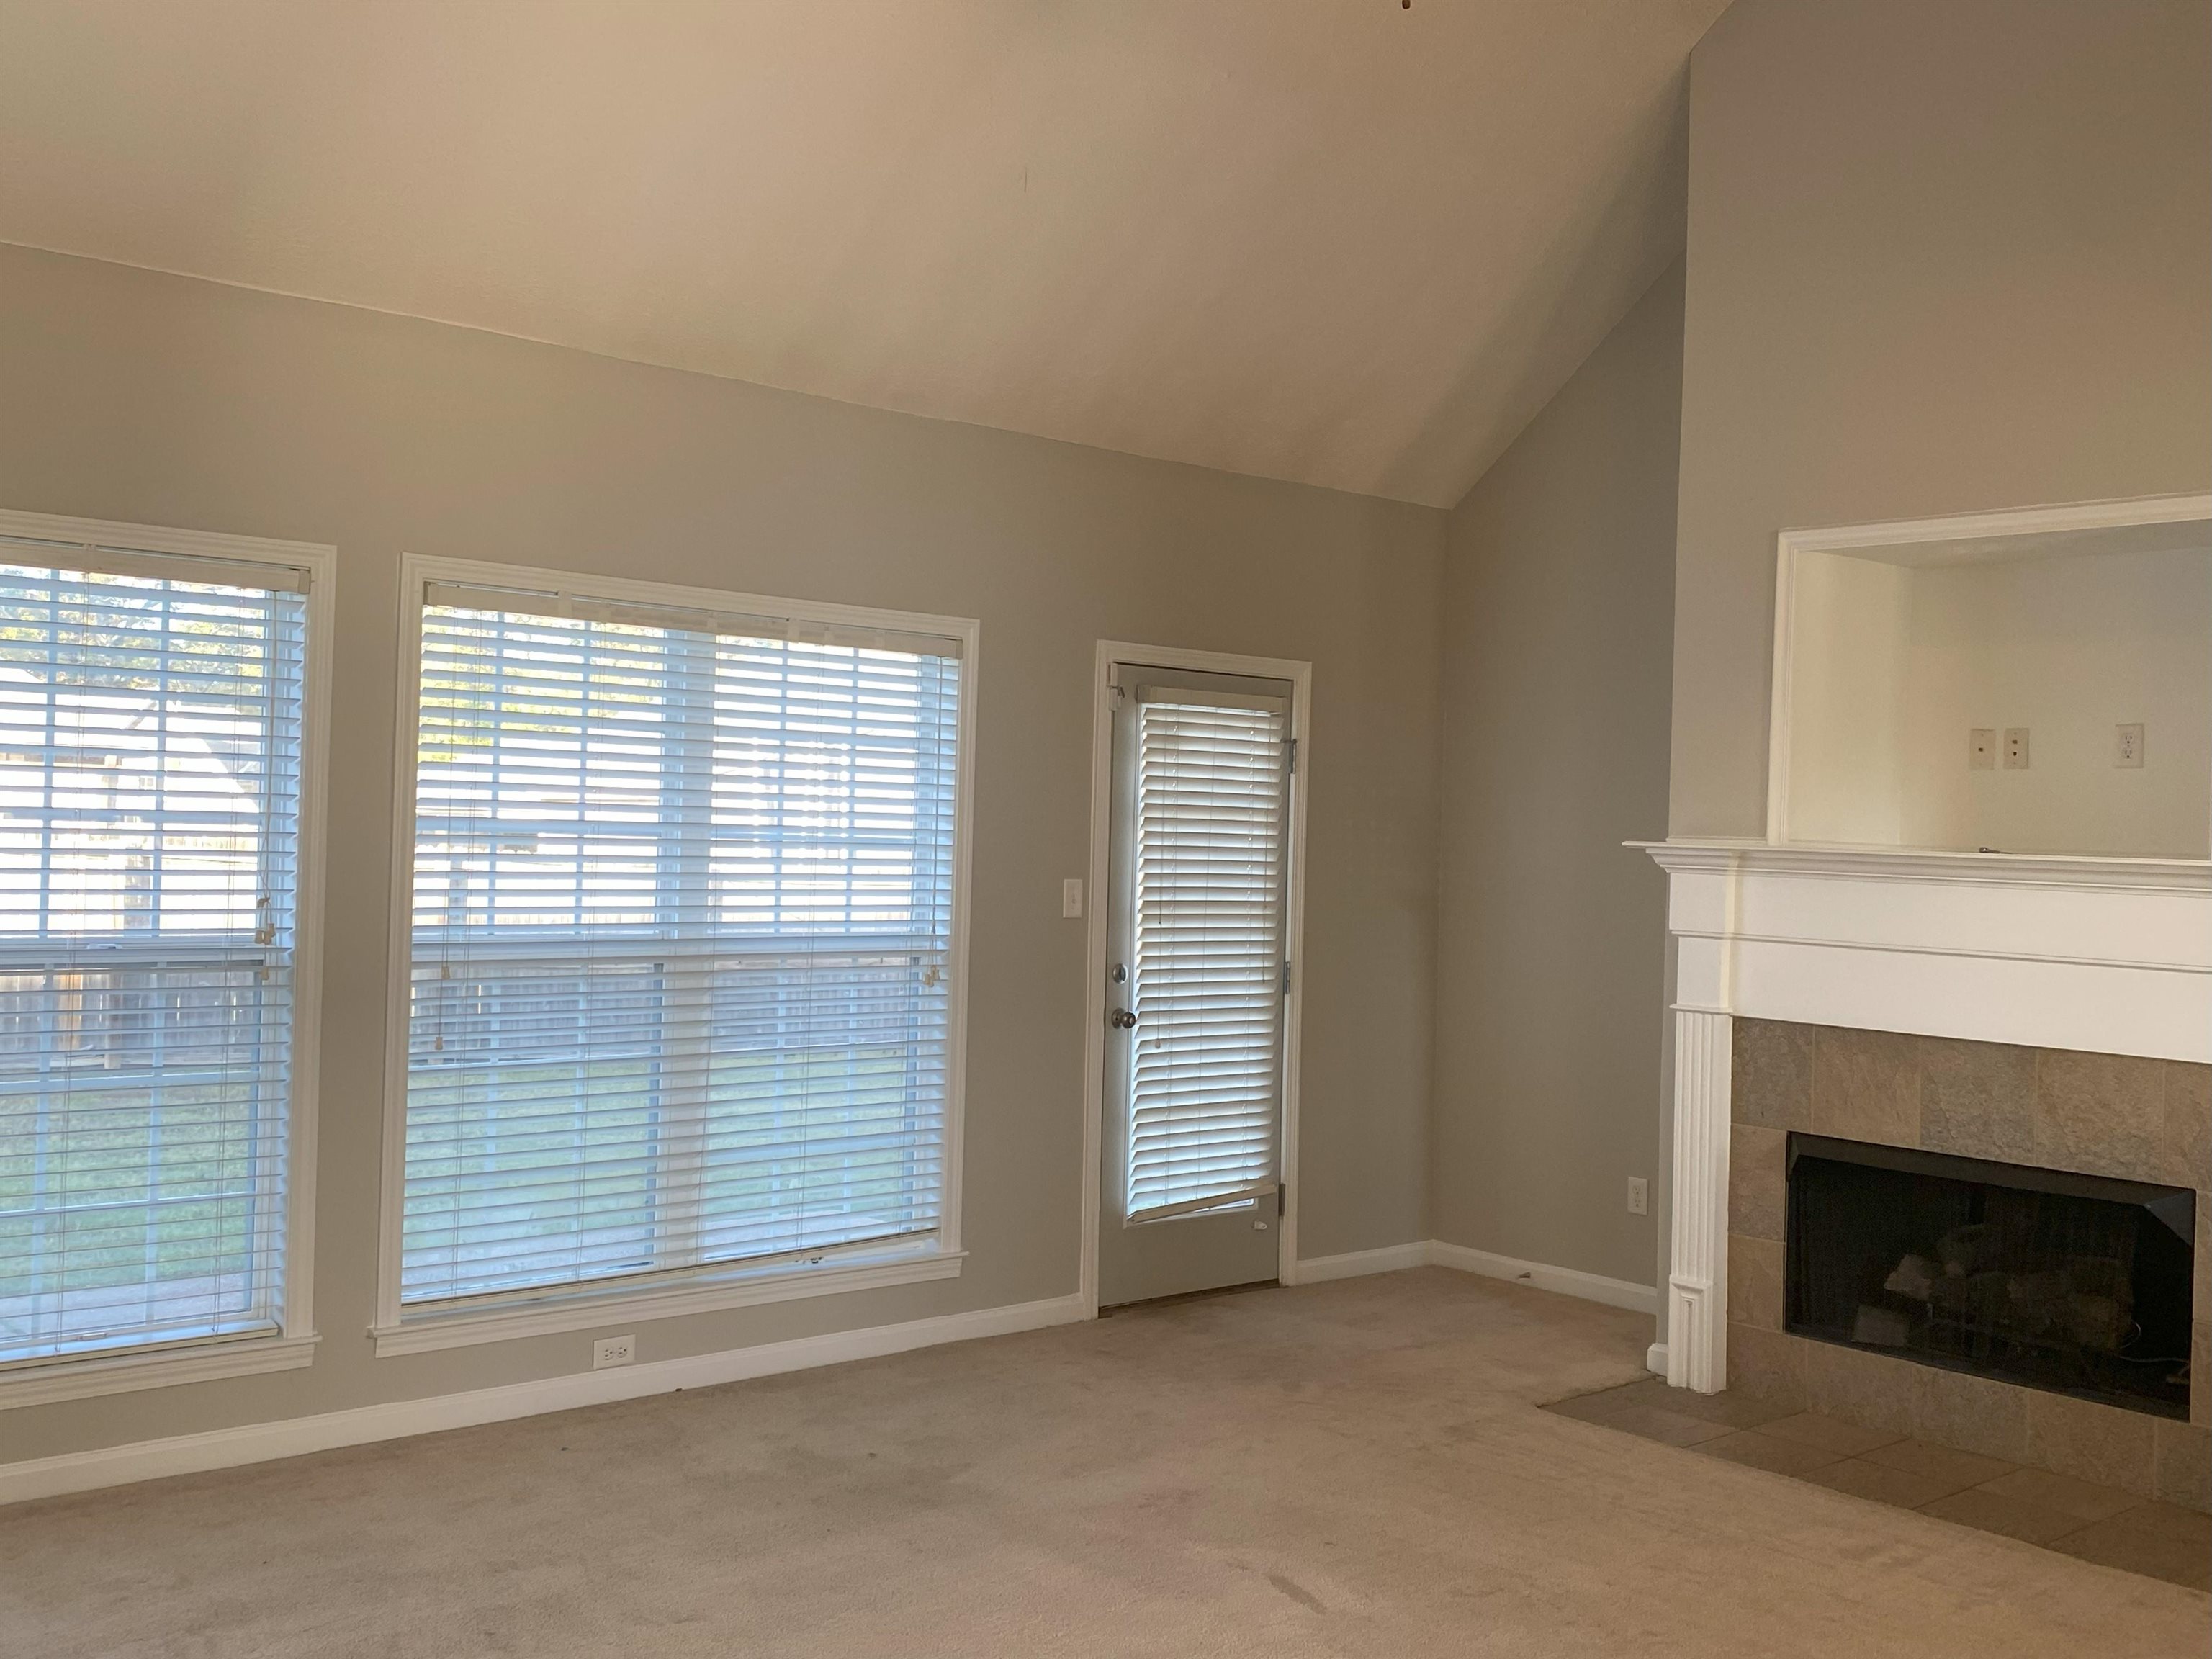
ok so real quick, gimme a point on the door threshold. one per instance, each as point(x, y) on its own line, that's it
point(1190, 1296)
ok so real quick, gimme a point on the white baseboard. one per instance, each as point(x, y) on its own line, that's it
point(1388, 1259)
point(1567, 1281)
point(1435, 1253)
point(255, 1442)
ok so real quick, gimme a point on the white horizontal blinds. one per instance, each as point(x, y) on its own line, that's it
point(1206, 1066)
point(682, 942)
point(149, 791)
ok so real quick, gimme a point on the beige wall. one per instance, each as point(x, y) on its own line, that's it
point(1944, 255)
point(1550, 951)
point(128, 395)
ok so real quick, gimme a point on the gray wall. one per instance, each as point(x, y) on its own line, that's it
point(1944, 255)
point(125, 394)
point(1551, 939)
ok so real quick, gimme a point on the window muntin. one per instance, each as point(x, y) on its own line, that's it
point(681, 937)
point(150, 741)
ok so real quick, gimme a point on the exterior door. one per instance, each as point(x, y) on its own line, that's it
point(1190, 1197)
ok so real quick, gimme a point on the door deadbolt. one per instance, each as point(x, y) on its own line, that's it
point(1122, 1020)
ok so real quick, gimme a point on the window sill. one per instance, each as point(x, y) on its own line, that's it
point(81, 1377)
point(588, 1310)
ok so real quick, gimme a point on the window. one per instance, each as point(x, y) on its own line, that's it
point(1210, 818)
point(683, 973)
point(152, 715)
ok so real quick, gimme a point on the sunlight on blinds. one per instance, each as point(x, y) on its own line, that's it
point(149, 788)
point(1206, 1060)
point(682, 953)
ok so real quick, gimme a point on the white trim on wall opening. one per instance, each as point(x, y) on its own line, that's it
point(736, 1284)
point(293, 1344)
point(1955, 536)
point(1300, 675)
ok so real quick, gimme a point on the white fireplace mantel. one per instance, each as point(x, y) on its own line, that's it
point(2110, 954)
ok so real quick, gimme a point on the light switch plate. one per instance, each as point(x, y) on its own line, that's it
point(1071, 896)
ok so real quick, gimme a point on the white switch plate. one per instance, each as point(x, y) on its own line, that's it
point(2016, 749)
point(1639, 1195)
point(1071, 896)
point(1982, 749)
point(613, 1351)
point(2127, 745)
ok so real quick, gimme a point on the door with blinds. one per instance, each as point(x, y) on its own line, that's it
point(1196, 976)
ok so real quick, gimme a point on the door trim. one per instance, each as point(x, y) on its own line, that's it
point(1300, 675)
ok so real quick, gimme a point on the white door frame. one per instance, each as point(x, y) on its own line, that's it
point(1300, 675)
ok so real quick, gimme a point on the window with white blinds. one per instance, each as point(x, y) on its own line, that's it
point(1211, 840)
point(683, 944)
point(150, 717)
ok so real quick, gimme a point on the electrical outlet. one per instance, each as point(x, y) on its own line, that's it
point(1071, 896)
point(613, 1351)
point(1639, 1195)
point(1982, 749)
point(2127, 745)
point(2016, 749)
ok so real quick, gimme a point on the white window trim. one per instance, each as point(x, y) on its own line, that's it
point(118, 1371)
point(396, 1331)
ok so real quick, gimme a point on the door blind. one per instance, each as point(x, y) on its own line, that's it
point(1207, 1060)
point(149, 794)
point(682, 944)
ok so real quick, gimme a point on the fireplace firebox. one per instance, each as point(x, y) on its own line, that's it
point(2072, 1283)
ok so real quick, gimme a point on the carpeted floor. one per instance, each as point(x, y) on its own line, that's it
point(1352, 1468)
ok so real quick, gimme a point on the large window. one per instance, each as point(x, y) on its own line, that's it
point(150, 767)
point(682, 988)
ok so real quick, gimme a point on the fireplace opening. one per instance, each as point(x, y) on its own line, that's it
point(2073, 1283)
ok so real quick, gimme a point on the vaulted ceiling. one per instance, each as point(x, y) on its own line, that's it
point(1348, 244)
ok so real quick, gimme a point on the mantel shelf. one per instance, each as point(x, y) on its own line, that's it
point(2090, 872)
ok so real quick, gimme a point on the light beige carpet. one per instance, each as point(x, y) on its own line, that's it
point(1347, 1468)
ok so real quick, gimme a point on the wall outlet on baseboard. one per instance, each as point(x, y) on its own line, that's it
point(1639, 1195)
point(613, 1351)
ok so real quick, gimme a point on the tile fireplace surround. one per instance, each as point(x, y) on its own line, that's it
point(2050, 1012)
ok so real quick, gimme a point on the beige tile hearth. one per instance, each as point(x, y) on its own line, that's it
point(2111, 1114)
point(2092, 1442)
point(1944, 1467)
point(2156, 1540)
point(1869, 1388)
point(2014, 1517)
point(1975, 1415)
point(2183, 1474)
point(1769, 1452)
point(1755, 1281)
point(1828, 1434)
point(1766, 1365)
point(1863, 1478)
point(2084, 1499)
point(2094, 1521)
